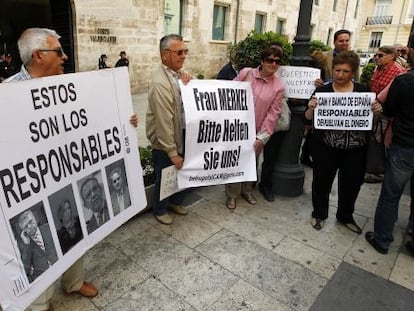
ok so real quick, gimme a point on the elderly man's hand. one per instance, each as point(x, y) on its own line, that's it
point(134, 120)
point(25, 237)
point(186, 77)
point(178, 161)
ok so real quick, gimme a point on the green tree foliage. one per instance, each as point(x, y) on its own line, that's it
point(247, 51)
point(317, 45)
point(367, 73)
point(147, 164)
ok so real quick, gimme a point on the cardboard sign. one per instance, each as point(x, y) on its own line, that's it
point(299, 81)
point(344, 111)
point(220, 133)
point(69, 174)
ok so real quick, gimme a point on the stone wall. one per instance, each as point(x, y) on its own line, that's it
point(109, 26)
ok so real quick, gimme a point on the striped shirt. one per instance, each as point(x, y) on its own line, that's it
point(22, 75)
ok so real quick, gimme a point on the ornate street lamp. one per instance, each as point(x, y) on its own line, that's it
point(288, 174)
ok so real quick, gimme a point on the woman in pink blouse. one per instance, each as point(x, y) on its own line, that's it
point(268, 91)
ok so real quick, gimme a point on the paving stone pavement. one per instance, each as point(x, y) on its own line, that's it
point(261, 257)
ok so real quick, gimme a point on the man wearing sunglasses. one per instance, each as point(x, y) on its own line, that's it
point(165, 122)
point(386, 68)
point(43, 56)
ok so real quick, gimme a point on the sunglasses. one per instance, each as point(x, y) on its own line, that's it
point(379, 55)
point(178, 52)
point(58, 51)
point(269, 60)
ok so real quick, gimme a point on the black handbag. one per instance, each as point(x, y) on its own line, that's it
point(375, 159)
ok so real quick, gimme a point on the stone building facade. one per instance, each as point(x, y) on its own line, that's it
point(209, 28)
point(137, 26)
point(384, 22)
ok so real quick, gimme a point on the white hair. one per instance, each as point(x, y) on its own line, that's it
point(25, 215)
point(33, 39)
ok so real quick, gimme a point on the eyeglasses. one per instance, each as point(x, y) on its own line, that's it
point(269, 60)
point(379, 55)
point(59, 51)
point(178, 52)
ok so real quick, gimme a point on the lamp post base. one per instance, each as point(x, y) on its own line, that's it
point(288, 175)
point(288, 179)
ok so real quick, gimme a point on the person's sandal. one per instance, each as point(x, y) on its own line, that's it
point(231, 203)
point(249, 197)
point(317, 223)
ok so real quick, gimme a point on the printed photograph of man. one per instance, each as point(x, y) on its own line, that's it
point(118, 186)
point(63, 206)
point(94, 201)
point(34, 240)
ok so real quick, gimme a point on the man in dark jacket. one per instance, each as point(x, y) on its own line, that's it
point(399, 165)
point(123, 61)
point(36, 246)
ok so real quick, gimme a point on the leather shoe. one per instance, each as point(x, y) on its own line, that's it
point(164, 219)
point(87, 290)
point(410, 228)
point(351, 225)
point(373, 178)
point(370, 237)
point(267, 193)
point(179, 209)
point(317, 223)
point(410, 248)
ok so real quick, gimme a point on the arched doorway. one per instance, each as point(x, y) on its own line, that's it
point(18, 15)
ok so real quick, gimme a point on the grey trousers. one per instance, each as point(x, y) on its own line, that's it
point(72, 280)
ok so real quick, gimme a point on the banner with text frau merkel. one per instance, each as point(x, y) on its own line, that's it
point(68, 151)
point(220, 133)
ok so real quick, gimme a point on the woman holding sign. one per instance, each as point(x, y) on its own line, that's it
point(341, 151)
point(268, 91)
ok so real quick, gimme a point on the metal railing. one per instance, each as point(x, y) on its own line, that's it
point(379, 20)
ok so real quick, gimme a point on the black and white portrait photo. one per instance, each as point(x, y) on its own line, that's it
point(118, 186)
point(34, 240)
point(94, 201)
point(66, 218)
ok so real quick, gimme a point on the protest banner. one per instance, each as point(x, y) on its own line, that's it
point(343, 111)
point(299, 81)
point(67, 148)
point(220, 133)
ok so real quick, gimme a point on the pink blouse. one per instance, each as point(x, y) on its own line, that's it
point(267, 96)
